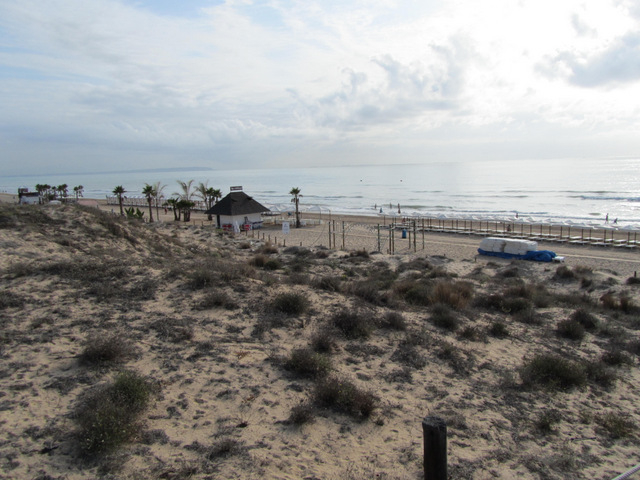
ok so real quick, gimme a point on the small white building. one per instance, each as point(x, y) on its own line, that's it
point(238, 208)
point(25, 197)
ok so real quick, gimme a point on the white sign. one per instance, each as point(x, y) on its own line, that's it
point(285, 228)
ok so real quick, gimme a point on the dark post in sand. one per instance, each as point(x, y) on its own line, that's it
point(434, 430)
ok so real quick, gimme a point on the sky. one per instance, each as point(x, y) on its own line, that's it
point(106, 85)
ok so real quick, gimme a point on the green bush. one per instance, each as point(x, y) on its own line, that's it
point(570, 329)
point(344, 396)
point(290, 303)
point(443, 317)
point(616, 425)
point(552, 372)
point(393, 321)
point(353, 324)
point(302, 413)
point(328, 283)
point(107, 418)
point(109, 348)
point(308, 363)
point(586, 319)
point(498, 329)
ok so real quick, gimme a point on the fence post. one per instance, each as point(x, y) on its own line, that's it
point(434, 430)
point(343, 235)
point(379, 237)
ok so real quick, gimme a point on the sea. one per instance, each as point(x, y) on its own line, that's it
point(570, 191)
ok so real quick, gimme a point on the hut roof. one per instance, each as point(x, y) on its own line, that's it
point(237, 203)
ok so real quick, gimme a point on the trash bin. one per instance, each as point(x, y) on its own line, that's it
point(404, 233)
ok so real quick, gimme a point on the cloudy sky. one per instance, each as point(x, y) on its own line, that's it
point(103, 85)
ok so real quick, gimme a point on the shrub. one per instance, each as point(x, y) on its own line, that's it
point(323, 340)
point(633, 281)
point(217, 298)
point(328, 283)
point(616, 358)
point(564, 273)
point(443, 317)
point(415, 293)
point(108, 417)
point(302, 413)
point(268, 249)
point(307, 363)
point(616, 425)
point(344, 396)
point(258, 261)
point(552, 372)
point(498, 329)
point(393, 321)
point(584, 318)
point(454, 294)
point(362, 253)
point(273, 264)
point(290, 303)
point(101, 349)
point(599, 373)
point(368, 291)
point(353, 324)
point(570, 329)
point(547, 419)
point(10, 300)
point(609, 301)
point(408, 355)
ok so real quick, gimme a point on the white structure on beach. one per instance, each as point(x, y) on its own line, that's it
point(238, 208)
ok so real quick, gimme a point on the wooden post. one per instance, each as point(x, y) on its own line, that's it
point(414, 236)
point(343, 235)
point(329, 234)
point(379, 238)
point(434, 431)
point(334, 234)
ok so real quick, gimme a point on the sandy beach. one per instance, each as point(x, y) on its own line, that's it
point(241, 337)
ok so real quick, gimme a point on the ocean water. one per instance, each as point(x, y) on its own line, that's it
point(575, 191)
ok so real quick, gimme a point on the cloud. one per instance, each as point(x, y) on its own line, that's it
point(619, 63)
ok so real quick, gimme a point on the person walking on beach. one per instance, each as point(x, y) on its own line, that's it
point(606, 218)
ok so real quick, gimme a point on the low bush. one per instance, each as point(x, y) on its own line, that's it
point(393, 321)
point(552, 372)
point(616, 357)
point(268, 249)
point(599, 373)
point(308, 363)
point(272, 264)
point(103, 349)
point(498, 329)
point(616, 425)
point(585, 318)
point(546, 420)
point(454, 294)
point(258, 261)
point(443, 317)
point(217, 298)
point(344, 396)
point(409, 355)
point(414, 293)
point(107, 417)
point(9, 299)
point(323, 340)
point(633, 281)
point(328, 283)
point(290, 303)
point(301, 414)
point(564, 273)
point(353, 324)
point(570, 329)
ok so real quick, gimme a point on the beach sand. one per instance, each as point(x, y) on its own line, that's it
point(198, 310)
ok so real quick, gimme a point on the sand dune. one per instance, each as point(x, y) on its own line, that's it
point(233, 340)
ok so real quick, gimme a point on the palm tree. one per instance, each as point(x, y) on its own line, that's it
point(77, 191)
point(63, 190)
point(295, 191)
point(173, 203)
point(217, 195)
point(158, 188)
point(119, 191)
point(149, 192)
point(185, 199)
point(206, 193)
